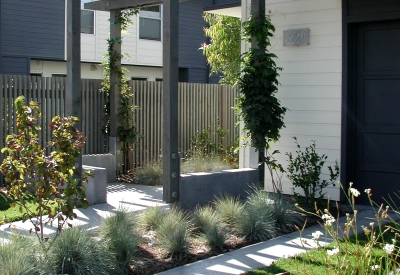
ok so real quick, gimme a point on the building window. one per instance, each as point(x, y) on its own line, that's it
point(58, 75)
point(139, 78)
point(87, 18)
point(159, 79)
point(150, 23)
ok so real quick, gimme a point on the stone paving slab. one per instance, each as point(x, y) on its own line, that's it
point(132, 197)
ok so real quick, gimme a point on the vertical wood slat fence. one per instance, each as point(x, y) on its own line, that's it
point(201, 106)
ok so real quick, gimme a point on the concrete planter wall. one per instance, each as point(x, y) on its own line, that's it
point(106, 161)
point(201, 188)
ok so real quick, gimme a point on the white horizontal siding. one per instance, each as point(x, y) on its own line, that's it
point(93, 71)
point(137, 51)
point(310, 79)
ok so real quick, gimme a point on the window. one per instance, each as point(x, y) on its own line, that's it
point(139, 78)
point(58, 75)
point(87, 18)
point(150, 23)
point(159, 79)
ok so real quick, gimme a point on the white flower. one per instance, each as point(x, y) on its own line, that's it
point(389, 248)
point(333, 251)
point(367, 190)
point(328, 219)
point(354, 192)
point(375, 267)
point(317, 234)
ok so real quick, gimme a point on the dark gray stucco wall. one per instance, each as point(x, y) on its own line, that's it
point(31, 29)
point(191, 36)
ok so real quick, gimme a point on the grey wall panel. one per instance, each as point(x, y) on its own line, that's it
point(219, 4)
point(34, 29)
point(191, 36)
point(15, 65)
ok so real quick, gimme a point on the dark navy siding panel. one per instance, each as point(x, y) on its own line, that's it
point(34, 29)
point(219, 4)
point(198, 75)
point(191, 36)
point(214, 79)
point(15, 65)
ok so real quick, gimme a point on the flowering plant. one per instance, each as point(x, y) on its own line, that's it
point(372, 250)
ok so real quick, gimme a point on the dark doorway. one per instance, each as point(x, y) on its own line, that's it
point(377, 109)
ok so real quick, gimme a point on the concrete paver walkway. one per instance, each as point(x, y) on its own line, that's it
point(135, 198)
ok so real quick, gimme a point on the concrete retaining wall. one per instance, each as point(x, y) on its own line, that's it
point(106, 161)
point(201, 188)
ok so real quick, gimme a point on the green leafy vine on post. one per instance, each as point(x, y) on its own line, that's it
point(258, 106)
point(126, 129)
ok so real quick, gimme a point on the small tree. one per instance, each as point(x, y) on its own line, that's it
point(223, 53)
point(52, 180)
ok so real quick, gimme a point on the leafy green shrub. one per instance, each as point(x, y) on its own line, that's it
point(209, 223)
point(31, 172)
point(149, 174)
point(305, 169)
point(173, 232)
point(75, 252)
point(118, 232)
point(18, 256)
point(256, 223)
point(204, 145)
point(229, 209)
point(151, 218)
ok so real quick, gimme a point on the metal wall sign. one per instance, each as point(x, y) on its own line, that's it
point(296, 37)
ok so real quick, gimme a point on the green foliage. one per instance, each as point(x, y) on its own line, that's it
point(75, 252)
point(258, 107)
point(305, 170)
point(173, 232)
point(229, 209)
point(118, 232)
point(126, 128)
point(204, 145)
point(18, 256)
point(223, 54)
point(52, 181)
point(151, 217)
point(256, 223)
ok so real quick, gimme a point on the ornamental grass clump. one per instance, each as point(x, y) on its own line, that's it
point(229, 209)
point(210, 226)
point(149, 174)
point(285, 214)
point(75, 252)
point(118, 232)
point(151, 218)
point(256, 223)
point(18, 256)
point(173, 232)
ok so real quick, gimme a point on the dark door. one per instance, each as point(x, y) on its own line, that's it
point(378, 109)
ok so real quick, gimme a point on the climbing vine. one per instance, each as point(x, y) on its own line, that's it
point(126, 129)
point(258, 106)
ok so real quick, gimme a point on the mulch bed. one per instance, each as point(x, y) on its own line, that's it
point(152, 259)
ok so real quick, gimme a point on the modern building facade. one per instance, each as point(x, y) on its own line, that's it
point(33, 41)
point(342, 86)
